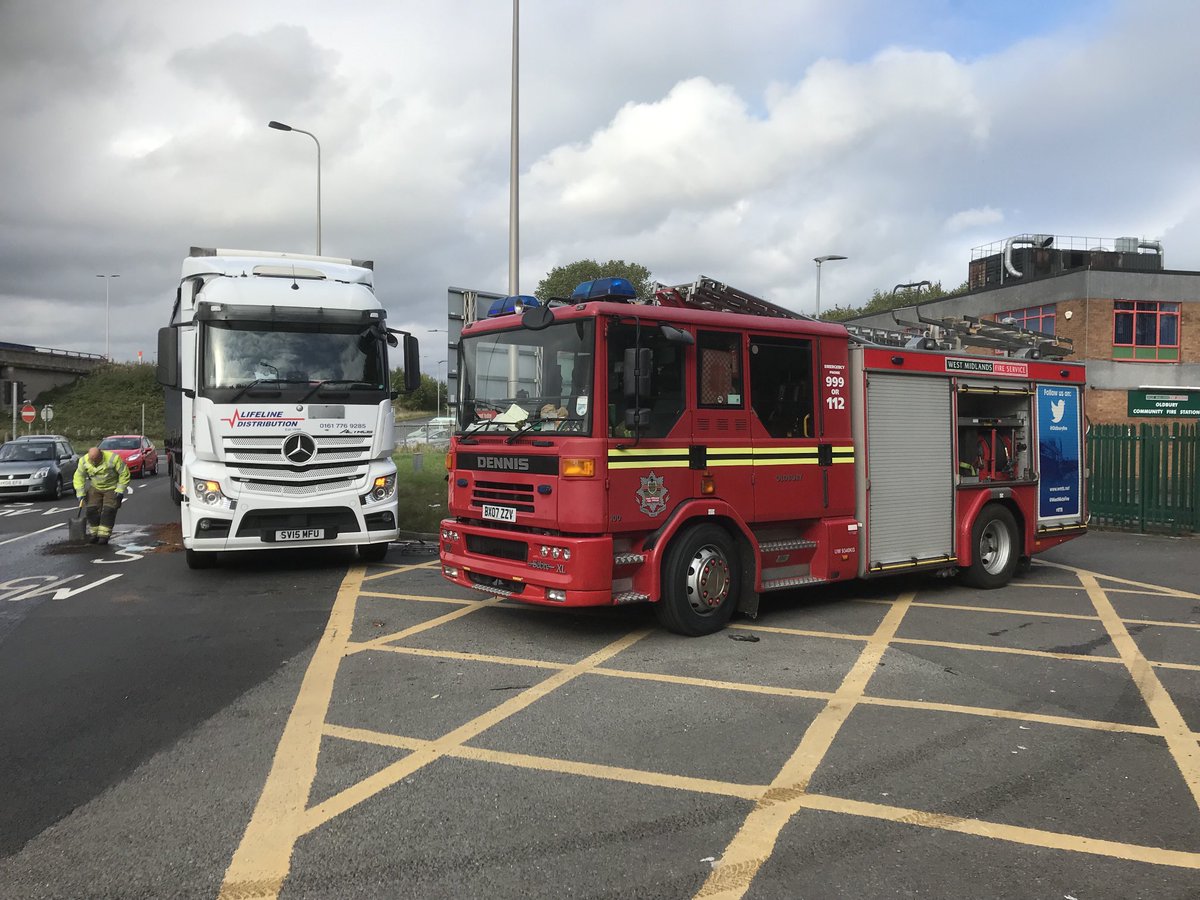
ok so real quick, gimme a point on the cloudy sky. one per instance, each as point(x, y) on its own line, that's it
point(736, 139)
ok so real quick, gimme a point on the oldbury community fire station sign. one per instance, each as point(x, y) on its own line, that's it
point(1161, 402)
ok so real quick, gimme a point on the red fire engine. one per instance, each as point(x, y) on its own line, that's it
point(702, 449)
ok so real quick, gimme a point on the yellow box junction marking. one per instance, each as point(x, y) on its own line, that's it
point(262, 861)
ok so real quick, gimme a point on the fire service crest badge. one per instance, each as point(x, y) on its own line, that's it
point(652, 496)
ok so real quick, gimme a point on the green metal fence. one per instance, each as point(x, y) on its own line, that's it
point(1145, 477)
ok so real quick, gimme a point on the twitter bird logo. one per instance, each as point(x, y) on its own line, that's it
point(1057, 408)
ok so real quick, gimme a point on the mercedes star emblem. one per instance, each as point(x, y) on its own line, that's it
point(299, 448)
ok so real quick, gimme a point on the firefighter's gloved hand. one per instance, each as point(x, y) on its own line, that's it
point(119, 497)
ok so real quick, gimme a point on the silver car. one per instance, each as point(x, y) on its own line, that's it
point(40, 465)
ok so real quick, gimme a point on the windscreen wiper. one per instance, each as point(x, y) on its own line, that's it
point(524, 427)
point(256, 381)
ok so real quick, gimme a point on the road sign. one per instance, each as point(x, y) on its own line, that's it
point(47, 413)
point(28, 413)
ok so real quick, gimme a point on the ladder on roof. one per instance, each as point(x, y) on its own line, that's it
point(950, 333)
point(713, 295)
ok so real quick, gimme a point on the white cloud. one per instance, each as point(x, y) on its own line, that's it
point(738, 142)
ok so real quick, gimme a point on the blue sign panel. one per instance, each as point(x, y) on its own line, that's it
point(1058, 452)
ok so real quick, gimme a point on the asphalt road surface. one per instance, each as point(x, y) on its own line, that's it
point(296, 725)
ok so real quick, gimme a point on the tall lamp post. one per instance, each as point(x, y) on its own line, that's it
point(107, 282)
point(818, 260)
point(279, 126)
point(440, 362)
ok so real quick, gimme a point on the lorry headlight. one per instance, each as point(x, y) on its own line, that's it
point(384, 487)
point(209, 493)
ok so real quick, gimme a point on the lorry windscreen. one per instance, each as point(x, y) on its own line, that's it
point(510, 377)
point(291, 362)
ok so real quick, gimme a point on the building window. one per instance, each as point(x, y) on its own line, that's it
point(1033, 318)
point(1146, 330)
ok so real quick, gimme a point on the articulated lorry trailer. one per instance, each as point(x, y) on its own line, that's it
point(704, 448)
point(279, 422)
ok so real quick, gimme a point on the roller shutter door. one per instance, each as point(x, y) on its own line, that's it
point(910, 454)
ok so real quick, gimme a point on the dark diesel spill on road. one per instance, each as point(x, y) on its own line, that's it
point(165, 538)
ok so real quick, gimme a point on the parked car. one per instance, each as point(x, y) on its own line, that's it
point(37, 465)
point(137, 450)
point(427, 436)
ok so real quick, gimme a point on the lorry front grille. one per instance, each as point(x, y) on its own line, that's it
point(334, 519)
point(258, 465)
point(504, 493)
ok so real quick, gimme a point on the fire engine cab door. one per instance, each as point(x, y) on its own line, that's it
point(910, 471)
point(788, 462)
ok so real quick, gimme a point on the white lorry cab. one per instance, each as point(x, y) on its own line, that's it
point(279, 423)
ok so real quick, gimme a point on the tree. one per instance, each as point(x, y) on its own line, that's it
point(561, 280)
point(426, 396)
point(882, 302)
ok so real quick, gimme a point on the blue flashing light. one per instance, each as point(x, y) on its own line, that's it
point(620, 289)
point(507, 306)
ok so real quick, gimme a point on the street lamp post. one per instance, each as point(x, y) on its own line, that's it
point(279, 126)
point(107, 282)
point(440, 362)
point(818, 260)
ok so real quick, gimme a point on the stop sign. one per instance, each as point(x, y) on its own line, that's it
point(28, 413)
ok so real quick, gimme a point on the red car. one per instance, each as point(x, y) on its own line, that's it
point(137, 451)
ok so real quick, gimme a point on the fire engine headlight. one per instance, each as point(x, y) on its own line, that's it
point(384, 487)
point(449, 534)
point(209, 493)
point(578, 467)
point(562, 553)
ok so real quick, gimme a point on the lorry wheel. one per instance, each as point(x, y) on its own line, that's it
point(994, 548)
point(373, 552)
point(197, 560)
point(699, 582)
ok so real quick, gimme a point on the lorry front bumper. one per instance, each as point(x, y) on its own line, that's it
point(511, 564)
point(332, 524)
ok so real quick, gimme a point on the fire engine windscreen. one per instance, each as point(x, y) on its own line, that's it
point(542, 380)
point(292, 360)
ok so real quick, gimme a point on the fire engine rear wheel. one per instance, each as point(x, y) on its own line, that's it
point(995, 550)
point(699, 583)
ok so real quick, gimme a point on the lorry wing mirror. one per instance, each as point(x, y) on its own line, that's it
point(168, 358)
point(638, 361)
point(412, 363)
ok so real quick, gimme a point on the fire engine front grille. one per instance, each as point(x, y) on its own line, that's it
point(485, 545)
point(516, 495)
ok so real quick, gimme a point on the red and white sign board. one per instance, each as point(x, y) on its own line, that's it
point(28, 413)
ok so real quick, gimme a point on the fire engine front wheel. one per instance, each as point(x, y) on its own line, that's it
point(699, 583)
point(994, 549)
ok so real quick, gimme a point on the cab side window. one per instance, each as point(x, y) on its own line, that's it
point(781, 385)
point(666, 400)
point(719, 362)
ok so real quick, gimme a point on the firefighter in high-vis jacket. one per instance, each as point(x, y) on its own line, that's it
point(103, 479)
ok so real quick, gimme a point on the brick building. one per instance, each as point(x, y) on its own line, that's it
point(1135, 323)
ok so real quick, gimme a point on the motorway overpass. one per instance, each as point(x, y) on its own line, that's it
point(39, 369)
